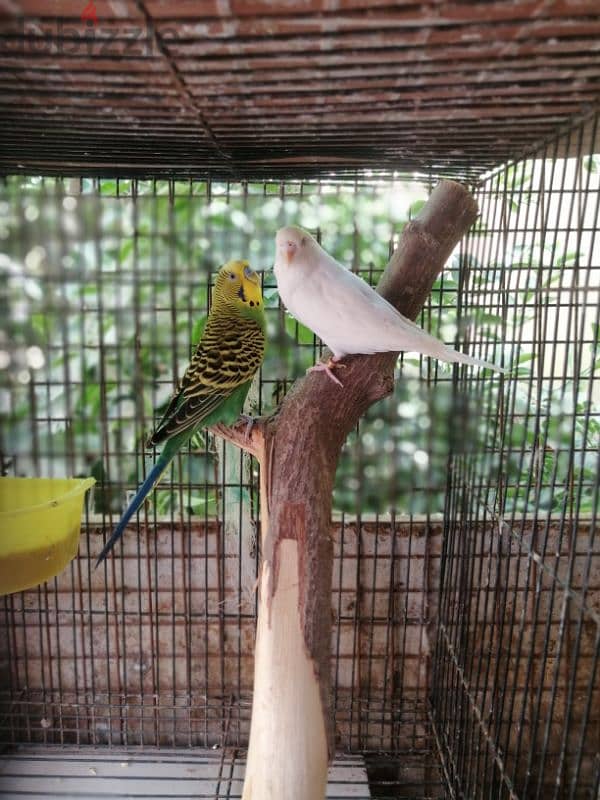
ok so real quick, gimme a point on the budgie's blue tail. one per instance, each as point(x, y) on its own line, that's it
point(141, 494)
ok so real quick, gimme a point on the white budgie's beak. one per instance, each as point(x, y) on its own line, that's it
point(290, 251)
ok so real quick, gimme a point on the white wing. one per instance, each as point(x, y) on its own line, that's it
point(368, 317)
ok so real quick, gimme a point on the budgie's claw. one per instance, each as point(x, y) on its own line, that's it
point(250, 423)
point(328, 368)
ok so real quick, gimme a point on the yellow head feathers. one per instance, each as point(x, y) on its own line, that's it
point(237, 286)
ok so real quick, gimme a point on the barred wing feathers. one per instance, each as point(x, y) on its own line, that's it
point(227, 357)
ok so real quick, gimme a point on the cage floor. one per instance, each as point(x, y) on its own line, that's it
point(48, 772)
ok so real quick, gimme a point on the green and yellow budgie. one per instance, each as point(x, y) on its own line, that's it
point(215, 384)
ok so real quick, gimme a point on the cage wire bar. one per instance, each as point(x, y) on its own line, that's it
point(466, 575)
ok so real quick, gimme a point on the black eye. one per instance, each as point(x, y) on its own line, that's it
point(232, 276)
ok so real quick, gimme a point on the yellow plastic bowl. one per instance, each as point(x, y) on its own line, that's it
point(40, 521)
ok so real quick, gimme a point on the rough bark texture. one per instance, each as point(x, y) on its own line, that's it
point(299, 446)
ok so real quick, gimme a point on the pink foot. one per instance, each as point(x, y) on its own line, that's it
point(328, 369)
point(250, 423)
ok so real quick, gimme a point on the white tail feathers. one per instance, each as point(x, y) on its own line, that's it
point(462, 358)
point(430, 346)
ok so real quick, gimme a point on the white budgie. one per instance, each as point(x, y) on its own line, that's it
point(343, 310)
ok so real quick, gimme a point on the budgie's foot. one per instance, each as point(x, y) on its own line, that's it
point(328, 368)
point(250, 423)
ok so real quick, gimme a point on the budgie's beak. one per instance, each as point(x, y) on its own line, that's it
point(290, 251)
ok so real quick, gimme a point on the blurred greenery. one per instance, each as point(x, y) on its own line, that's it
point(105, 289)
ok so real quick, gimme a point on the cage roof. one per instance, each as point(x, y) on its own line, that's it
point(259, 89)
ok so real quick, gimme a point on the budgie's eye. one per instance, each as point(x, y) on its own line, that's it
point(232, 276)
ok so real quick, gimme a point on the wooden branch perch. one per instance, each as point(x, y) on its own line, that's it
point(292, 738)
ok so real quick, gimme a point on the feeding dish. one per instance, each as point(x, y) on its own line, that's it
point(40, 521)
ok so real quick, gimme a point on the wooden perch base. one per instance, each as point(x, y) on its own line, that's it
point(291, 737)
point(298, 726)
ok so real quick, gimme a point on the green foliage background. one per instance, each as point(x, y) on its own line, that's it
point(106, 286)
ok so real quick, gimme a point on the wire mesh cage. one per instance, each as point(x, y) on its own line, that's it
point(515, 666)
point(466, 633)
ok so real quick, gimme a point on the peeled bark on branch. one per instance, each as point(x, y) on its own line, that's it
point(292, 735)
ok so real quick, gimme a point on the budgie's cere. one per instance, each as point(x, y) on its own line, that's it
point(215, 384)
point(343, 310)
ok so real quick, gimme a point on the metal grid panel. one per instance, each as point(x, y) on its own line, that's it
point(169, 661)
point(515, 688)
point(261, 89)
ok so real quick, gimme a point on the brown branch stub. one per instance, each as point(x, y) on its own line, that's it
point(251, 441)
